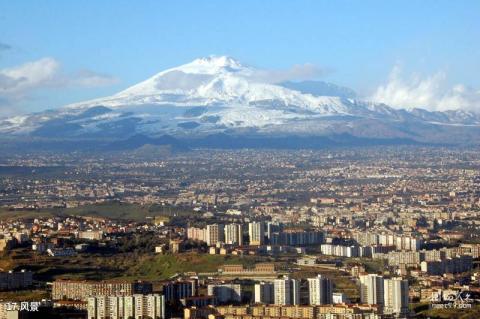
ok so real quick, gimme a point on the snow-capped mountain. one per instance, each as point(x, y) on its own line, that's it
point(220, 95)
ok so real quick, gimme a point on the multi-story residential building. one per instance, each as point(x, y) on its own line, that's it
point(176, 290)
point(264, 293)
point(470, 249)
point(196, 233)
point(256, 233)
point(286, 291)
point(401, 242)
point(226, 293)
point(234, 234)
point(449, 265)
point(320, 290)
point(433, 255)
point(285, 312)
point(121, 307)
point(259, 269)
point(91, 235)
point(80, 290)
point(342, 251)
point(15, 280)
point(408, 258)
point(295, 237)
point(371, 289)
point(396, 296)
point(214, 234)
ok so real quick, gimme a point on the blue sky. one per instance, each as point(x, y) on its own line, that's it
point(391, 51)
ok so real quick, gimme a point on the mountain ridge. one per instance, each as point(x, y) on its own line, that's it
point(221, 95)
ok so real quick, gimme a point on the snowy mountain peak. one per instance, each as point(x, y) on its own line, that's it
point(215, 63)
point(186, 79)
point(210, 65)
point(218, 94)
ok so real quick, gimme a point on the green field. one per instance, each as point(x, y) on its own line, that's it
point(113, 210)
point(119, 266)
point(6, 214)
point(166, 266)
point(423, 311)
point(24, 295)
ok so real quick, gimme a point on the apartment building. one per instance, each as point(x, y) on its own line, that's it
point(137, 306)
point(80, 290)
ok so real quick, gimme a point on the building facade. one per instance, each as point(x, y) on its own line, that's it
point(396, 296)
point(264, 293)
point(256, 233)
point(214, 234)
point(80, 290)
point(371, 289)
point(320, 291)
point(286, 291)
point(234, 234)
point(226, 293)
point(122, 307)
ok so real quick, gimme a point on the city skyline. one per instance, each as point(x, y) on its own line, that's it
point(239, 159)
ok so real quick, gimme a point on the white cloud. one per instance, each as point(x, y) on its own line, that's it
point(431, 93)
point(20, 79)
point(297, 72)
point(88, 78)
point(19, 83)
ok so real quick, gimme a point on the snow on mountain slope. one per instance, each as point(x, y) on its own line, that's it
point(212, 81)
point(215, 94)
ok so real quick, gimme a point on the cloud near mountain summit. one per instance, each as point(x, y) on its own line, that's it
point(431, 93)
point(19, 83)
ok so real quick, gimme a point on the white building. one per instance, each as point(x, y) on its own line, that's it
point(234, 234)
point(214, 234)
point(320, 291)
point(256, 233)
point(120, 307)
point(196, 233)
point(286, 291)
point(371, 289)
point(264, 293)
point(396, 296)
point(91, 235)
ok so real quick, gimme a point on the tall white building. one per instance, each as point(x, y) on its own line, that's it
point(286, 291)
point(320, 290)
point(371, 289)
point(196, 233)
point(234, 234)
point(396, 296)
point(264, 293)
point(256, 233)
point(120, 307)
point(214, 234)
point(116, 307)
point(98, 307)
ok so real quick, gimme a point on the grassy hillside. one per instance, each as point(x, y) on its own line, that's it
point(113, 210)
